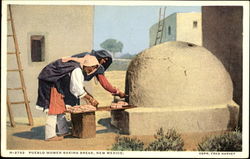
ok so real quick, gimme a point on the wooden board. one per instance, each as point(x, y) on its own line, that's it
point(106, 108)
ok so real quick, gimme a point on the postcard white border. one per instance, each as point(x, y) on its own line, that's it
point(49, 153)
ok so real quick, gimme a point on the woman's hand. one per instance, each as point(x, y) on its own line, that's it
point(91, 100)
point(120, 93)
point(94, 102)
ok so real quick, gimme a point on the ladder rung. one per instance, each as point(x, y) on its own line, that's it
point(21, 102)
point(160, 29)
point(161, 26)
point(13, 70)
point(10, 35)
point(12, 53)
point(20, 88)
point(9, 19)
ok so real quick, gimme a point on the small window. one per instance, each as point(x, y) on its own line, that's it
point(195, 24)
point(169, 30)
point(37, 48)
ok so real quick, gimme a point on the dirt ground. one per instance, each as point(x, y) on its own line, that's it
point(25, 137)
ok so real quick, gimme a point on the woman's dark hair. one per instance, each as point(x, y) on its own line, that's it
point(101, 54)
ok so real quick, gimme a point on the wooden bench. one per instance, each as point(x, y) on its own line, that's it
point(84, 124)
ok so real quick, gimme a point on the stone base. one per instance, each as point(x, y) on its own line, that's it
point(146, 121)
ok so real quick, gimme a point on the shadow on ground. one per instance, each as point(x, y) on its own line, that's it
point(8, 124)
point(106, 122)
point(36, 133)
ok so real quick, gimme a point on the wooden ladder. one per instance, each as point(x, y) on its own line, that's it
point(20, 71)
point(160, 29)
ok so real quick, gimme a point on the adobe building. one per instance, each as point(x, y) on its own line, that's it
point(179, 27)
point(44, 34)
point(222, 28)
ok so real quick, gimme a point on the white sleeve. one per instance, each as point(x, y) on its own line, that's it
point(76, 83)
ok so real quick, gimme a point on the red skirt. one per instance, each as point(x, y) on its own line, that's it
point(57, 105)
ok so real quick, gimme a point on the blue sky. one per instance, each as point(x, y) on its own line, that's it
point(130, 24)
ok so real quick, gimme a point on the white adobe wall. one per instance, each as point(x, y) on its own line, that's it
point(170, 21)
point(185, 31)
point(67, 30)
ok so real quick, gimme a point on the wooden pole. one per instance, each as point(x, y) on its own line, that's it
point(12, 122)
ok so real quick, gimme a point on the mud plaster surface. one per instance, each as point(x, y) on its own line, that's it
point(177, 74)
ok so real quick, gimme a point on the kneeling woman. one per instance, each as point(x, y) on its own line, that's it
point(58, 81)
